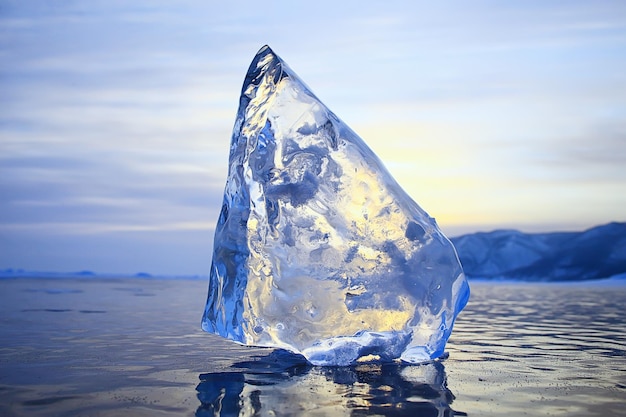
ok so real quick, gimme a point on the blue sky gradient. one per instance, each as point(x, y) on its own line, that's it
point(116, 116)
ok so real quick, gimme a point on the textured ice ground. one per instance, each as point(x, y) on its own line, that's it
point(317, 248)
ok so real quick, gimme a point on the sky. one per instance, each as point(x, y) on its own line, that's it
point(116, 116)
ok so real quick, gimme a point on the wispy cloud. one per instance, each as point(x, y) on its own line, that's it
point(116, 116)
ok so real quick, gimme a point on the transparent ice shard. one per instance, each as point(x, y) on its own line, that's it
point(317, 249)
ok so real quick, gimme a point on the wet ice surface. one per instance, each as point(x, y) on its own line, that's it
point(134, 347)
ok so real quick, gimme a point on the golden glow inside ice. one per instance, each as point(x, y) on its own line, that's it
point(318, 249)
point(298, 298)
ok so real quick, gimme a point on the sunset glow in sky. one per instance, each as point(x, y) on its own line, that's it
point(116, 116)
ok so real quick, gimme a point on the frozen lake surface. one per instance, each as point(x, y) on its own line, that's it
point(103, 347)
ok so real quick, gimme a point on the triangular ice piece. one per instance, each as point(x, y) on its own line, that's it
point(317, 248)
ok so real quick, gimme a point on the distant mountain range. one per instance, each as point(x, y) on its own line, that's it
point(599, 252)
point(21, 273)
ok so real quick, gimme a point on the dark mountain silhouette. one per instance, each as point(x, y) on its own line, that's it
point(599, 252)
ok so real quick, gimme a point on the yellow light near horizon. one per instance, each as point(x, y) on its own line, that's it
point(441, 172)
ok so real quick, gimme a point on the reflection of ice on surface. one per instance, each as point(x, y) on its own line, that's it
point(317, 249)
point(279, 385)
